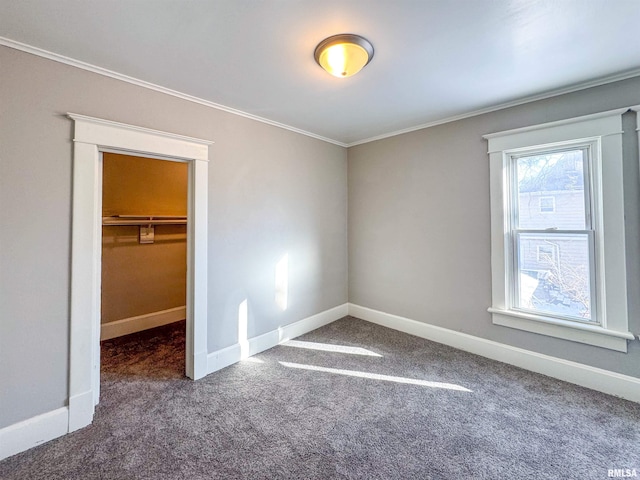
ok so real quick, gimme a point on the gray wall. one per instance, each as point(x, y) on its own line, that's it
point(419, 238)
point(271, 192)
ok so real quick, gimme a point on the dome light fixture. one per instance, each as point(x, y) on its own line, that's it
point(343, 55)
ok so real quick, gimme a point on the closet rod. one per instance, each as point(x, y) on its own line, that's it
point(144, 220)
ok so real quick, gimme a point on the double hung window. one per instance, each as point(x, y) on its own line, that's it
point(557, 230)
point(552, 251)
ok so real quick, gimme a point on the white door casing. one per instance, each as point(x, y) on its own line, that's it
point(92, 136)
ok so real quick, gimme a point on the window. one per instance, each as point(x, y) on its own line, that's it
point(557, 223)
point(564, 286)
point(547, 204)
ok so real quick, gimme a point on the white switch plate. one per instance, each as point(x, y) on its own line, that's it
point(147, 234)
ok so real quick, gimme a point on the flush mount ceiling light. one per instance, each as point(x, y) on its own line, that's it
point(343, 55)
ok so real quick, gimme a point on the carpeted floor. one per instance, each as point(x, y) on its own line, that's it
point(389, 406)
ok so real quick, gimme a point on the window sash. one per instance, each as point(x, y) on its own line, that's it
point(588, 148)
point(514, 300)
point(514, 233)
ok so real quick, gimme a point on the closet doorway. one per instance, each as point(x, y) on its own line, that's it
point(92, 138)
point(144, 265)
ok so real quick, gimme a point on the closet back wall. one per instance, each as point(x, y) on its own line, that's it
point(142, 279)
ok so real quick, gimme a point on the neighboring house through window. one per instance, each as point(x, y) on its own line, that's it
point(547, 254)
point(547, 204)
point(557, 222)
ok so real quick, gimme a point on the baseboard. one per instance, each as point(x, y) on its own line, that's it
point(605, 381)
point(200, 362)
point(81, 410)
point(141, 322)
point(227, 356)
point(32, 432)
point(223, 358)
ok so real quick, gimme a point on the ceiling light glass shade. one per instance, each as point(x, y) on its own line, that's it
point(343, 55)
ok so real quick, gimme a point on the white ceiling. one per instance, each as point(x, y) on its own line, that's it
point(434, 59)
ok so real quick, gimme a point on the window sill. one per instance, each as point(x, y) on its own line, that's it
point(576, 332)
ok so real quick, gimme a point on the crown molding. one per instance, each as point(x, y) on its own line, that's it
point(7, 42)
point(501, 106)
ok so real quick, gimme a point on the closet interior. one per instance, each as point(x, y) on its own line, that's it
point(144, 244)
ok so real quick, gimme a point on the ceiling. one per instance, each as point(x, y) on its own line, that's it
point(434, 59)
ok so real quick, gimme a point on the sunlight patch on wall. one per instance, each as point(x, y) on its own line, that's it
point(282, 282)
point(243, 334)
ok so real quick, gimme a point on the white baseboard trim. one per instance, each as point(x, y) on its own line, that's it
point(81, 410)
point(227, 356)
point(200, 363)
point(36, 430)
point(223, 358)
point(594, 378)
point(32, 432)
point(141, 322)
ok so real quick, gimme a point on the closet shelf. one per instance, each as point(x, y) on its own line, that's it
point(144, 220)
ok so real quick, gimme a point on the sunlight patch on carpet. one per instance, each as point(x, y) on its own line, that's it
point(376, 376)
point(252, 360)
point(328, 347)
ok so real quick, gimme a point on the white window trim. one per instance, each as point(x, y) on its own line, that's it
point(606, 129)
point(636, 109)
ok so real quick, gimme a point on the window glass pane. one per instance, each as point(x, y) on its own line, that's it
point(550, 189)
point(553, 274)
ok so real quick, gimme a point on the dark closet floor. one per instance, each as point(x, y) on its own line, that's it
point(157, 353)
